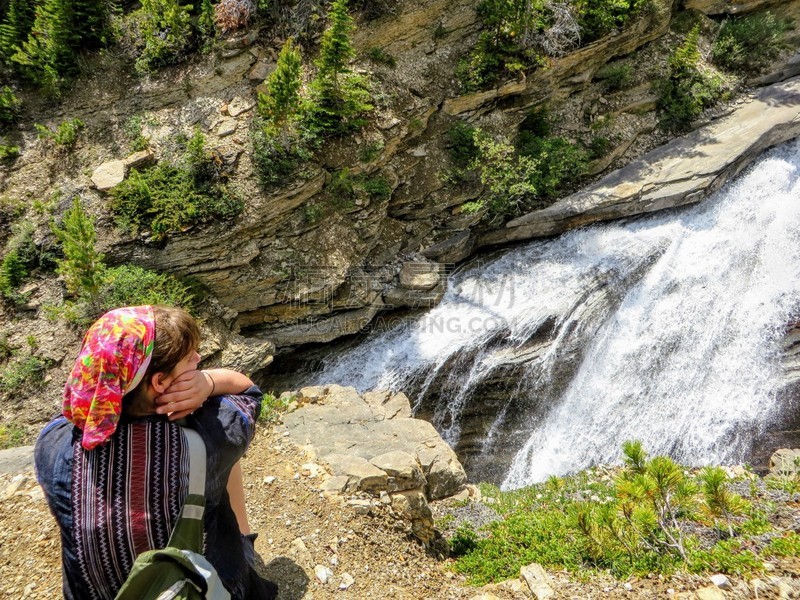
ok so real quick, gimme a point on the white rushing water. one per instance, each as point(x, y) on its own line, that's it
point(686, 362)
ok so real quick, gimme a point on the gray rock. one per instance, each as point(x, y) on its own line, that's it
point(15, 460)
point(443, 471)
point(227, 127)
point(417, 275)
point(323, 574)
point(412, 507)
point(709, 593)
point(261, 70)
point(361, 475)
point(538, 581)
point(240, 105)
point(402, 468)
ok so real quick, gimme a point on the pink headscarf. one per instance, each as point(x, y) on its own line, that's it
point(115, 355)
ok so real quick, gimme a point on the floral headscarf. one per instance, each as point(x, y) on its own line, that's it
point(114, 357)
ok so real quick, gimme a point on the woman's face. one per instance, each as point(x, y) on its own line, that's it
point(187, 363)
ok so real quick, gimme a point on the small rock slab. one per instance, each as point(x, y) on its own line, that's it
point(227, 127)
point(239, 105)
point(109, 175)
point(538, 581)
point(361, 475)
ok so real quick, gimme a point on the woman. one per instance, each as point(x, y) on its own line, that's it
point(114, 467)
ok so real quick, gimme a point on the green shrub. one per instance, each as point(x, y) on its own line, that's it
point(12, 435)
point(560, 162)
point(8, 152)
point(277, 157)
point(371, 151)
point(9, 106)
point(615, 77)
point(461, 144)
point(600, 17)
point(377, 188)
point(165, 32)
point(339, 99)
point(133, 130)
point(66, 134)
point(169, 198)
point(23, 373)
point(688, 90)
point(748, 43)
point(131, 285)
point(727, 556)
point(273, 406)
point(633, 524)
point(464, 540)
point(20, 256)
point(787, 544)
point(382, 57)
point(506, 46)
point(15, 27)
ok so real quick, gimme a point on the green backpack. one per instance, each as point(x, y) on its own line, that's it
point(179, 571)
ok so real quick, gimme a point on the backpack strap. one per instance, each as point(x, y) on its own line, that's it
point(188, 532)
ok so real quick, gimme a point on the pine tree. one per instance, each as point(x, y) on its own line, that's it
point(82, 267)
point(15, 27)
point(336, 50)
point(205, 22)
point(686, 57)
point(46, 56)
point(282, 101)
point(90, 18)
point(339, 97)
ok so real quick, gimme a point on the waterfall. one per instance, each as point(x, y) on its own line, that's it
point(670, 324)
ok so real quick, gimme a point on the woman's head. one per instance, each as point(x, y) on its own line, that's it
point(124, 352)
point(177, 336)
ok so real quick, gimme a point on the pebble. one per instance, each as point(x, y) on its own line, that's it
point(323, 573)
point(721, 581)
point(269, 479)
point(346, 582)
point(628, 587)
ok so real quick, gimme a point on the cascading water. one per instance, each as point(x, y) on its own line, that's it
point(671, 325)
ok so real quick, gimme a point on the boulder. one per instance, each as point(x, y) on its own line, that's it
point(374, 446)
point(113, 172)
point(412, 507)
point(785, 462)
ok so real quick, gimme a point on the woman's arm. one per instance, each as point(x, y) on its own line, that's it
point(190, 389)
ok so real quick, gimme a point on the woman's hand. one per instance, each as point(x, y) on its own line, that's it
point(184, 395)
